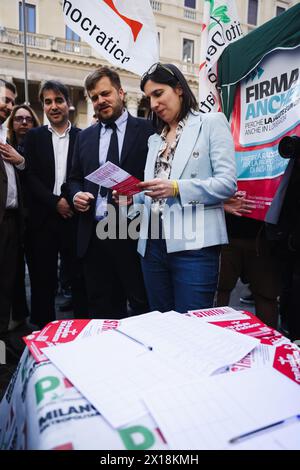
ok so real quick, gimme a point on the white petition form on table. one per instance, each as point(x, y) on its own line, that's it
point(113, 370)
point(207, 414)
point(193, 345)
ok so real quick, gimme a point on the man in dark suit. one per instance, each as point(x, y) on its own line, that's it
point(48, 152)
point(10, 210)
point(111, 266)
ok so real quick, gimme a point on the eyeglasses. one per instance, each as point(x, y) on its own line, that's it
point(156, 66)
point(28, 119)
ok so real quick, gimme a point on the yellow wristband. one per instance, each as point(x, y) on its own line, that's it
point(175, 188)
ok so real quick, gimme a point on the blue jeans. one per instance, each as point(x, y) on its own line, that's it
point(181, 281)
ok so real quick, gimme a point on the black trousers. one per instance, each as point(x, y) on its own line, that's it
point(253, 259)
point(20, 307)
point(56, 235)
point(289, 297)
point(9, 246)
point(113, 276)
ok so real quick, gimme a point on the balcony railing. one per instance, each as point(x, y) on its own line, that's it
point(39, 41)
point(77, 48)
point(17, 38)
point(188, 67)
point(189, 13)
point(73, 47)
point(156, 6)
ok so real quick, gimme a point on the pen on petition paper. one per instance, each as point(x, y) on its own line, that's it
point(134, 339)
point(249, 434)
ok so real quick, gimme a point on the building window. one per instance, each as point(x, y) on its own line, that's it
point(158, 41)
point(190, 3)
point(280, 10)
point(71, 36)
point(252, 11)
point(30, 18)
point(188, 51)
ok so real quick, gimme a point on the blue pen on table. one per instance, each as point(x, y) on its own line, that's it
point(134, 339)
point(253, 433)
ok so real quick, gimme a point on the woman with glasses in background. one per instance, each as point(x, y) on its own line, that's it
point(190, 171)
point(21, 120)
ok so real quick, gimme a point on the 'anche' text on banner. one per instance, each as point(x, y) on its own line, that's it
point(266, 108)
point(219, 29)
point(124, 33)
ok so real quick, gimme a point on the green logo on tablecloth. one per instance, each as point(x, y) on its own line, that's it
point(45, 385)
point(137, 438)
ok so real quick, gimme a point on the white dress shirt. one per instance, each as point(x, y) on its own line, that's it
point(60, 144)
point(105, 135)
point(12, 190)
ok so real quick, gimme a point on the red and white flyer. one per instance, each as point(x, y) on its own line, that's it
point(111, 176)
point(275, 350)
point(64, 331)
point(254, 327)
point(261, 356)
point(287, 361)
point(218, 313)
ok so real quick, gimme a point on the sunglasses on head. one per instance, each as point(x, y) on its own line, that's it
point(155, 67)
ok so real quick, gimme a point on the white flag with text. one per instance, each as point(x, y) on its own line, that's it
point(121, 31)
point(220, 28)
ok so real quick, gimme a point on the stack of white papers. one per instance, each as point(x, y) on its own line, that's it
point(207, 414)
point(192, 345)
point(112, 371)
point(164, 364)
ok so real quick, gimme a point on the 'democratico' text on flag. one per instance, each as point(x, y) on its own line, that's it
point(123, 32)
point(220, 28)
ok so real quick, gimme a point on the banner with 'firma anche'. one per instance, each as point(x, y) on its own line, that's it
point(124, 33)
point(266, 108)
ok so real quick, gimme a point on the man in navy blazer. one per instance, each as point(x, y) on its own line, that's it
point(111, 266)
point(48, 152)
point(40, 162)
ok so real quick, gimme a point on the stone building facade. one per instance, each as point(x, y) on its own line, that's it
point(55, 52)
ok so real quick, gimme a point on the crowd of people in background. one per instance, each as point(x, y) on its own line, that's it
point(49, 210)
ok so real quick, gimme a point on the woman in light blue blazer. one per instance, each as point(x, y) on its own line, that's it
point(190, 171)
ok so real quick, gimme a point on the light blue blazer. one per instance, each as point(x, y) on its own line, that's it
point(204, 166)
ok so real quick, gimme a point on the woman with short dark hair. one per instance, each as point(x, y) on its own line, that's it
point(190, 171)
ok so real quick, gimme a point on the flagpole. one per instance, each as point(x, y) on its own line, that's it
point(25, 52)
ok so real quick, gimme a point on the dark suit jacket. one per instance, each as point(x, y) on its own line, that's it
point(86, 160)
point(3, 189)
point(40, 176)
point(3, 192)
